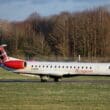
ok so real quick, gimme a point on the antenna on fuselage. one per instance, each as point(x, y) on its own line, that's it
point(79, 58)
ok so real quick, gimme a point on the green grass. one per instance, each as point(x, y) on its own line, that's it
point(53, 96)
point(9, 75)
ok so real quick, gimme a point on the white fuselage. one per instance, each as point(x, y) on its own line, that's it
point(65, 68)
point(52, 69)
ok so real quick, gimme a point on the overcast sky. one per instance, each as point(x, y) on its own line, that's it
point(21, 9)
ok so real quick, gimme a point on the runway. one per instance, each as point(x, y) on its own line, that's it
point(62, 81)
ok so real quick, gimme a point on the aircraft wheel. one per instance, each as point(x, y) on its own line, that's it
point(56, 79)
point(44, 78)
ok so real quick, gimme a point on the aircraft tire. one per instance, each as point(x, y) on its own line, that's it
point(56, 79)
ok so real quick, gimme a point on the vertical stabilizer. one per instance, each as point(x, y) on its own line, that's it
point(3, 54)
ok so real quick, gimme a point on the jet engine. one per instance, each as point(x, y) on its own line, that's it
point(15, 64)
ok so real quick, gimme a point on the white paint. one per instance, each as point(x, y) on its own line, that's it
point(65, 68)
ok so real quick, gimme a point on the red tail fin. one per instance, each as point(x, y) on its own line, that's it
point(3, 54)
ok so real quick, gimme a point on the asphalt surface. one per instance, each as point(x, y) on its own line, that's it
point(62, 81)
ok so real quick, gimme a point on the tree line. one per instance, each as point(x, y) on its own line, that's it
point(66, 35)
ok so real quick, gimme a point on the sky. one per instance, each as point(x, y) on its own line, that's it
point(17, 10)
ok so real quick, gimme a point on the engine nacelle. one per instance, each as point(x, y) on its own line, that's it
point(15, 64)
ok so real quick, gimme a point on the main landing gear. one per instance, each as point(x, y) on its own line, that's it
point(45, 79)
point(56, 79)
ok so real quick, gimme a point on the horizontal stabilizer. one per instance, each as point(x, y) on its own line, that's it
point(3, 45)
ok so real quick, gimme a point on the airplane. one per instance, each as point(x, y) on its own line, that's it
point(55, 70)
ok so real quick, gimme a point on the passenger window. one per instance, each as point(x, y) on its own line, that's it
point(109, 67)
point(62, 66)
point(90, 67)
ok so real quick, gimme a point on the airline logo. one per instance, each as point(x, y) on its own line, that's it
point(3, 55)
